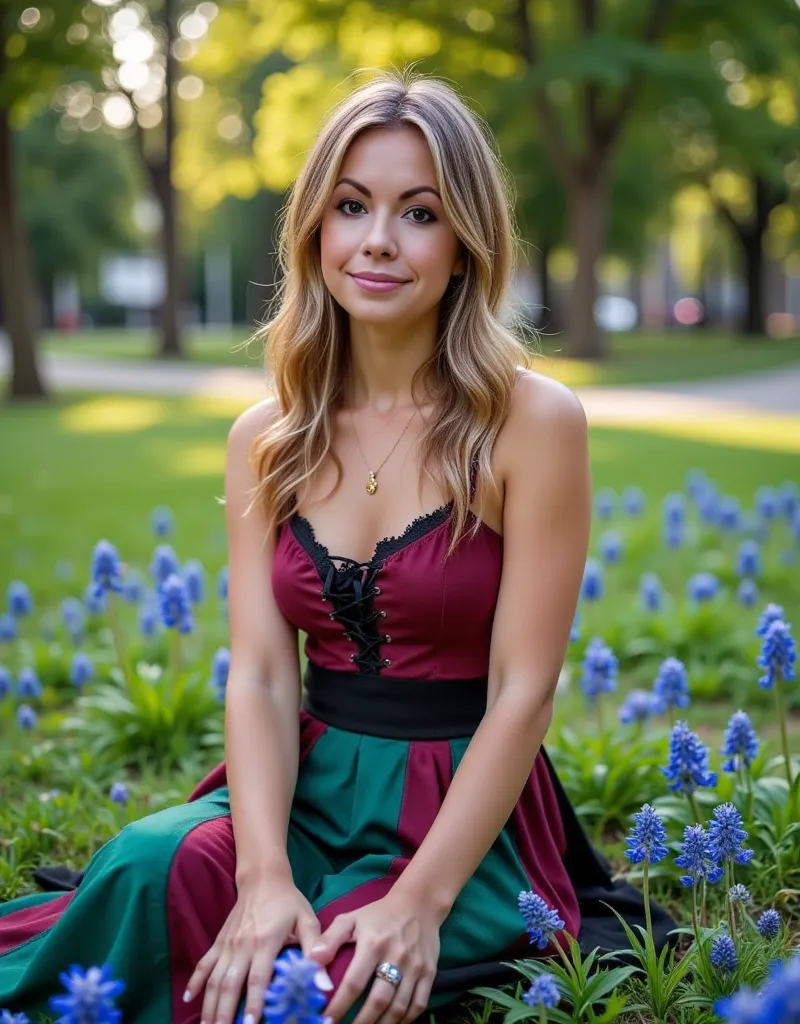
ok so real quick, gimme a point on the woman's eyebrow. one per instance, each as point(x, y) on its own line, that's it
point(403, 195)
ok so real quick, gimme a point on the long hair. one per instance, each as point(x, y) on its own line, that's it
point(472, 371)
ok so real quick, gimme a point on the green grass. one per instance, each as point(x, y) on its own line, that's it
point(634, 358)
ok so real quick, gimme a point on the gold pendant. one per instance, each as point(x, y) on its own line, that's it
point(372, 484)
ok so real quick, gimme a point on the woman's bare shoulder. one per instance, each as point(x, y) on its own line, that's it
point(252, 422)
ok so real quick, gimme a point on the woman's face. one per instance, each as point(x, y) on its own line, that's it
point(387, 249)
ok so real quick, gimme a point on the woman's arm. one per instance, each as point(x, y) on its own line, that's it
point(263, 692)
point(546, 523)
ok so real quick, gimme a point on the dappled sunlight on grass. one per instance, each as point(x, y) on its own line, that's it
point(758, 433)
point(198, 460)
point(575, 373)
point(114, 414)
point(224, 407)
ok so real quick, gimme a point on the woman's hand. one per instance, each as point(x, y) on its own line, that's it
point(266, 917)
point(397, 930)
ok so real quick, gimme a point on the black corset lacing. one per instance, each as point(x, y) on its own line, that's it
point(351, 589)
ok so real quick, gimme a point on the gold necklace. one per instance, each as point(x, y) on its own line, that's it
point(372, 479)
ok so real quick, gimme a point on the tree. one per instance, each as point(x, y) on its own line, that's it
point(38, 47)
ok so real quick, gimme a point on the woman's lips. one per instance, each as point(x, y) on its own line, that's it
point(376, 286)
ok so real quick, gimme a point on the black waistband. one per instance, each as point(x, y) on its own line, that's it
point(400, 709)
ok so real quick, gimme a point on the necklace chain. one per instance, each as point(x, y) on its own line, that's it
point(372, 479)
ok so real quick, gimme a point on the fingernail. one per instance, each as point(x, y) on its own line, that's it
point(249, 1019)
point(318, 948)
point(187, 996)
point(323, 980)
point(327, 1020)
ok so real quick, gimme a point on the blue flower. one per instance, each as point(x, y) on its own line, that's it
point(694, 857)
point(194, 576)
point(541, 921)
point(747, 593)
point(219, 671)
point(782, 992)
point(543, 992)
point(90, 998)
point(789, 498)
point(708, 506)
point(575, 628)
point(696, 483)
point(647, 837)
point(604, 503)
point(8, 628)
point(726, 836)
point(743, 1007)
point(739, 895)
point(592, 585)
point(19, 602)
point(795, 524)
point(73, 615)
point(723, 954)
point(164, 564)
point(729, 514)
point(778, 655)
point(651, 593)
point(106, 569)
point(611, 547)
point(95, 603)
point(7, 1017)
point(638, 706)
point(162, 521)
point(175, 610)
point(633, 501)
point(748, 559)
point(600, 668)
point(26, 717)
point(149, 617)
point(702, 587)
point(81, 669)
point(222, 583)
point(688, 764)
point(132, 587)
point(671, 686)
point(674, 535)
point(118, 793)
point(294, 996)
point(767, 502)
point(5, 682)
point(772, 613)
point(740, 743)
point(28, 684)
point(769, 924)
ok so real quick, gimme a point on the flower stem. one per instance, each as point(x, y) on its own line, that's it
point(599, 715)
point(646, 891)
point(695, 921)
point(671, 712)
point(542, 1014)
point(782, 720)
point(728, 884)
point(695, 808)
point(117, 636)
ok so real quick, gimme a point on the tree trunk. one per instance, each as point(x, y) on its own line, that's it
point(170, 314)
point(753, 253)
point(586, 212)
point(15, 275)
point(544, 318)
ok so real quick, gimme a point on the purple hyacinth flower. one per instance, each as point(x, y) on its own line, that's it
point(696, 483)
point(605, 502)
point(162, 521)
point(687, 769)
point(769, 924)
point(132, 587)
point(592, 585)
point(81, 669)
point(194, 576)
point(163, 564)
point(671, 686)
point(740, 743)
point(541, 921)
point(19, 601)
point(543, 992)
point(600, 669)
point(651, 593)
point(702, 587)
point(767, 502)
point(638, 706)
point(176, 611)
point(778, 655)
point(90, 996)
point(729, 514)
point(26, 717)
point(94, 603)
point(222, 583)
point(219, 671)
point(7, 1017)
point(118, 793)
point(748, 559)
point(739, 895)
point(789, 499)
point(744, 1007)
point(106, 569)
point(633, 501)
point(294, 995)
point(8, 628)
point(726, 836)
point(770, 614)
point(723, 954)
point(747, 593)
point(611, 547)
point(694, 858)
point(647, 837)
point(28, 684)
point(5, 682)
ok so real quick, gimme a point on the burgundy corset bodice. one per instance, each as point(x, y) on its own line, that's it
point(406, 612)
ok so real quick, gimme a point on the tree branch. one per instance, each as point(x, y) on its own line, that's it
point(588, 14)
point(551, 130)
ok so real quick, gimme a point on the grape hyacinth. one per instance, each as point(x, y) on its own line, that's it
point(767, 502)
point(26, 717)
point(633, 501)
point(604, 503)
point(95, 603)
point(696, 483)
point(747, 593)
point(778, 655)
point(8, 628)
point(748, 559)
point(543, 992)
point(769, 924)
point(7, 1017)
point(651, 593)
point(671, 686)
point(163, 564)
point(600, 669)
point(222, 583)
point(729, 514)
point(74, 618)
point(702, 587)
point(739, 895)
point(194, 576)
point(770, 614)
point(789, 498)
point(295, 995)
point(132, 587)
point(175, 610)
point(106, 571)
point(162, 521)
point(219, 671)
point(90, 996)
point(646, 838)
point(118, 794)
point(637, 707)
point(592, 585)
point(723, 954)
point(694, 858)
point(777, 1002)
point(19, 602)
point(81, 669)
point(687, 769)
point(5, 682)
point(611, 547)
point(149, 617)
point(541, 921)
point(726, 836)
point(28, 684)
point(744, 1007)
point(673, 510)
point(740, 743)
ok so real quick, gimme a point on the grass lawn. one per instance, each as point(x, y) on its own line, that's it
point(634, 358)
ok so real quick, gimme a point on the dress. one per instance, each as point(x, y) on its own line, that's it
point(398, 651)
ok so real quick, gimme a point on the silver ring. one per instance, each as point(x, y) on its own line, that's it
point(389, 972)
point(231, 972)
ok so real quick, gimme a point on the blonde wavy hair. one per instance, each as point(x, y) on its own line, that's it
point(472, 371)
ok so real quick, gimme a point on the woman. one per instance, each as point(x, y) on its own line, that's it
point(449, 491)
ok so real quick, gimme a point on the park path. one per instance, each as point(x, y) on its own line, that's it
point(768, 393)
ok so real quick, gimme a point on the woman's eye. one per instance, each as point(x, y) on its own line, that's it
point(346, 204)
point(425, 216)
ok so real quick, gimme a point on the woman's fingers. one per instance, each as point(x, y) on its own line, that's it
point(202, 972)
point(399, 1002)
point(420, 997)
point(261, 971)
point(355, 980)
point(339, 931)
point(308, 934)
point(223, 990)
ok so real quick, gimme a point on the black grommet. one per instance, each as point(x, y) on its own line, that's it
point(383, 615)
point(331, 615)
point(386, 662)
point(352, 657)
point(387, 638)
point(376, 590)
